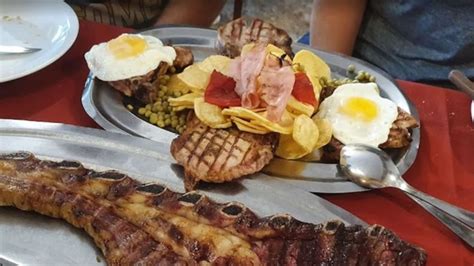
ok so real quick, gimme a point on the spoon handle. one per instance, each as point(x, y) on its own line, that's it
point(460, 229)
point(465, 216)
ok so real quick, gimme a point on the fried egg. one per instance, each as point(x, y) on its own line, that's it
point(127, 56)
point(358, 114)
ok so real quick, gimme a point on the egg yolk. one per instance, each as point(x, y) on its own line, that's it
point(360, 108)
point(127, 46)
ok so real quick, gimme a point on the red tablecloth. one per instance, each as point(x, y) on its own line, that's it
point(444, 167)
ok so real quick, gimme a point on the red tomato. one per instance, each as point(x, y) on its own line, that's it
point(303, 89)
point(220, 91)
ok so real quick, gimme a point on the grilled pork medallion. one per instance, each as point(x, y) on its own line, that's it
point(232, 36)
point(220, 155)
point(147, 224)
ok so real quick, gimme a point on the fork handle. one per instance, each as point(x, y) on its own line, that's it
point(462, 82)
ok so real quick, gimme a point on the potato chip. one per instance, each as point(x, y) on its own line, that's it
point(210, 114)
point(185, 100)
point(195, 77)
point(325, 132)
point(314, 67)
point(181, 108)
point(296, 107)
point(176, 84)
point(305, 132)
point(216, 62)
point(248, 124)
point(276, 51)
point(246, 128)
point(289, 149)
point(257, 119)
point(314, 156)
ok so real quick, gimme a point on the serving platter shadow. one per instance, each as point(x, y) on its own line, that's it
point(106, 106)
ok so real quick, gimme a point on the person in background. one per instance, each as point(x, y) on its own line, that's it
point(147, 13)
point(419, 40)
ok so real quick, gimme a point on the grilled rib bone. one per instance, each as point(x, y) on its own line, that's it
point(121, 206)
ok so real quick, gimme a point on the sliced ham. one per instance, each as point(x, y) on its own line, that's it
point(275, 84)
point(245, 70)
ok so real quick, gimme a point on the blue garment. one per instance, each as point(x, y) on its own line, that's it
point(418, 40)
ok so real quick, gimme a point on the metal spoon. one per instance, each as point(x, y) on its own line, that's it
point(373, 168)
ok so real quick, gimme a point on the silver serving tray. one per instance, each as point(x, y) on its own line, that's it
point(29, 238)
point(105, 106)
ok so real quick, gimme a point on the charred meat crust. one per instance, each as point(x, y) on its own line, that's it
point(232, 36)
point(184, 58)
point(142, 88)
point(220, 155)
point(148, 224)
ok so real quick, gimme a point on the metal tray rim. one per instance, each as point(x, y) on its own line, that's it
point(322, 185)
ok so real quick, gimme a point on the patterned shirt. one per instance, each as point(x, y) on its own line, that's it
point(127, 13)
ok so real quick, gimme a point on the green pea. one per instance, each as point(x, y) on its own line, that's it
point(148, 113)
point(177, 94)
point(153, 118)
point(172, 69)
point(141, 111)
point(148, 106)
point(372, 79)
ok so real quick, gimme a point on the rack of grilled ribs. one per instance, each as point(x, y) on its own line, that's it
point(220, 155)
point(148, 224)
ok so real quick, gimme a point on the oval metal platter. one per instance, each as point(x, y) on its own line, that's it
point(31, 239)
point(105, 106)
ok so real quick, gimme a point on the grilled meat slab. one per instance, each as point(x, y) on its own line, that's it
point(220, 155)
point(148, 224)
point(144, 88)
point(232, 36)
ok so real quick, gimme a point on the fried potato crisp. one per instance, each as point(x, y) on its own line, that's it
point(210, 114)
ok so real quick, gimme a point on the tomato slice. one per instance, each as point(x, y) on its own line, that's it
point(303, 89)
point(221, 90)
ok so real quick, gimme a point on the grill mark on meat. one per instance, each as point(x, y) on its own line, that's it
point(180, 219)
point(232, 36)
point(219, 155)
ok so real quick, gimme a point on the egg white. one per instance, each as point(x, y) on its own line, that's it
point(105, 66)
point(350, 130)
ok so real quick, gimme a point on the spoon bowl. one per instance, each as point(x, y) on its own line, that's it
point(372, 168)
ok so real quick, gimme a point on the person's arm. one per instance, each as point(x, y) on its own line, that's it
point(335, 24)
point(200, 13)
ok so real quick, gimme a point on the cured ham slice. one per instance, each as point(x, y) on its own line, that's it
point(245, 70)
point(275, 84)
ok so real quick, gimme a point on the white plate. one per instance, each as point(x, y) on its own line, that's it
point(48, 24)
